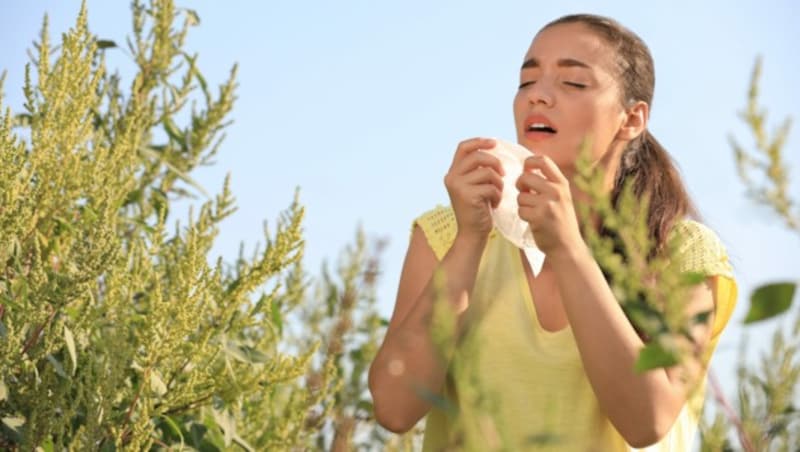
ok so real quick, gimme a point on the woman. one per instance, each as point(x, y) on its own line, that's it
point(556, 350)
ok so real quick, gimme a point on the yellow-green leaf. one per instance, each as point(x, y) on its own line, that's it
point(70, 341)
point(192, 17)
point(14, 422)
point(654, 356)
point(157, 384)
point(770, 300)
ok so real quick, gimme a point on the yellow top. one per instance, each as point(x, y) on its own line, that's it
point(533, 379)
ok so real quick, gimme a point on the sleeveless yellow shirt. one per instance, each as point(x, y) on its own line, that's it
point(532, 380)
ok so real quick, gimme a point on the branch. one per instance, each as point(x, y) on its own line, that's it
point(34, 339)
point(719, 396)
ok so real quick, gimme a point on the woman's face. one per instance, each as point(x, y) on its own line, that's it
point(568, 93)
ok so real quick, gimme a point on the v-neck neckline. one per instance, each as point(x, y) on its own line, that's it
point(527, 294)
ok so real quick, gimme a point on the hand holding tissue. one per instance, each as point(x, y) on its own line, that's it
point(505, 217)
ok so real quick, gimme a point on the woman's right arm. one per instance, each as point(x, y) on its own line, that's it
point(408, 363)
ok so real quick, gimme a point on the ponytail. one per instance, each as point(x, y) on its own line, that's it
point(645, 163)
point(651, 170)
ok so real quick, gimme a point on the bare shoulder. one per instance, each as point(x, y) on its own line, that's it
point(428, 244)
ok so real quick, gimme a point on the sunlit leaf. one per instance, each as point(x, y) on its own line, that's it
point(70, 341)
point(14, 422)
point(57, 366)
point(769, 301)
point(157, 384)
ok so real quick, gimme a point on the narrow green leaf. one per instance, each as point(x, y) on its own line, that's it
point(244, 353)
point(226, 423)
point(277, 317)
point(105, 44)
point(57, 366)
point(3, 390)
point(192, 17)
point(172, 130)
point(769, 301)
point(70, 340)
point(148, 151)
point(175, 429)
point(241, 442)
point(654, 356)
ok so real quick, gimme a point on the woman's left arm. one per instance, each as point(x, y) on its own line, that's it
point(642, 406)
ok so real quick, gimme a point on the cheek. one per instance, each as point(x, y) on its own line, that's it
point(518, 105)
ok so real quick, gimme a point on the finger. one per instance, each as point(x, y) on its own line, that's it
point(484, 176)
point(547, 166)
point(529, 214)
point(531, 200)
point(476, 160)
point(528, 182)
point(469, 146)
point(489, 193)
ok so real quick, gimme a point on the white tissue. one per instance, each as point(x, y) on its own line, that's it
point(505, 217)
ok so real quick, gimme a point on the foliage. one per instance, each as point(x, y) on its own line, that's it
point(118, 330)
point(765, 417)
point(647, 281)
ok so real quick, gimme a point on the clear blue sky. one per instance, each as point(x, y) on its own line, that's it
point(362, 103)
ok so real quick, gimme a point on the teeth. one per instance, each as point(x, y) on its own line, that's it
point(539, 126)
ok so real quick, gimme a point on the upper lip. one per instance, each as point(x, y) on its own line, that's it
point(538, 119)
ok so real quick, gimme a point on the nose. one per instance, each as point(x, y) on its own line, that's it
point(541, 93)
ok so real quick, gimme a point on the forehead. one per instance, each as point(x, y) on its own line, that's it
point(572, 40)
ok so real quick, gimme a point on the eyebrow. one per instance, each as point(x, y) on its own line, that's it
point(563, 62)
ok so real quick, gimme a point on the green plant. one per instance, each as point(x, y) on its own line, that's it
point(765, 417)
point(116, 332)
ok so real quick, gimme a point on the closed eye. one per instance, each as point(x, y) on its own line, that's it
point(525, 84)
point(575, 85)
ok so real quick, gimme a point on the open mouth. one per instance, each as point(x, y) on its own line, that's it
point(541, 127)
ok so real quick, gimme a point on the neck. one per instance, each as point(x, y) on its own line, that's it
point(608, 165)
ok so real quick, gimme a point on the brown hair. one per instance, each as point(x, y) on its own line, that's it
point(645, 163)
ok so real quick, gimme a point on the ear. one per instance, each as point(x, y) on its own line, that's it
point(634, 121)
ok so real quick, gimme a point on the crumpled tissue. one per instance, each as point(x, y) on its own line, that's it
point(505, 217)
